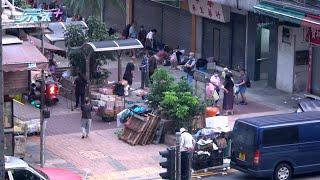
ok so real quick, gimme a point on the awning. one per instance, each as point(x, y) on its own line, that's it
point(37, 42)
point(21, 57)
point(59, 29)
point(115, 45)
point(287, 14)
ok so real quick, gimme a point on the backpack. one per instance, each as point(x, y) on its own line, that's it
point(248, 83)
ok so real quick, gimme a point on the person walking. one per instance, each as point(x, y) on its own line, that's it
point(128, 73)
point(187, 142)
point(242, 86)
point(189, 67)
point(133, 35)
point(228, 97)
point(86, 118)
point(145, 71)
point(80, 89)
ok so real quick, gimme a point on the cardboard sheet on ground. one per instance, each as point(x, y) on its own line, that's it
point(219, 123)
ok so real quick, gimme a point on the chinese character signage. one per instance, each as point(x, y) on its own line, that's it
point(34, 16)
point(313, 36)
point(173, 3)
point(209, 9)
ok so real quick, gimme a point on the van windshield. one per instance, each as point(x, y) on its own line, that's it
point(243, 134)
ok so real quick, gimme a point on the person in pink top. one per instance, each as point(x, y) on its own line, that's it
point(216, 82)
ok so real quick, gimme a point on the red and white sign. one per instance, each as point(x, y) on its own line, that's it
point(313, 36)
point(210, 9)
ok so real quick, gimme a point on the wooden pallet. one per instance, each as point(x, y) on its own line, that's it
point(140, 129)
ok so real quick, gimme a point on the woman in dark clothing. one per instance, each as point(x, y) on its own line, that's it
point(228, 97)
point(128, 74)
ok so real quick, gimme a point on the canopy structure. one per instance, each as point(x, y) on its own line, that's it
point(37, 42)
point(288, 14)
point(112, 45)
point(21, 57)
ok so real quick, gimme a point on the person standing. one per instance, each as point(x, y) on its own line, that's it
point(128, 73)
point(187, 142)
point(133, 35)
point(189, 67)
point(86, 118)
point(242, 84)
point(150, 39)
point(216, 82)
point(80, 89)
point(142, 35)
point(152, 66)
point(145, 71)
point(228, 97)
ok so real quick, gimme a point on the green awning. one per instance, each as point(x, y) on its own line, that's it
point(281, 13)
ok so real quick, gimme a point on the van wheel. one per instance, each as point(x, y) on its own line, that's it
point(282, 172)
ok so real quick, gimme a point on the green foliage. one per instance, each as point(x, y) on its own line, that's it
point(22, 4)
point(162, 81)
point(180, 107)
point(97, 30)
point(75, 38)
point(175, 100)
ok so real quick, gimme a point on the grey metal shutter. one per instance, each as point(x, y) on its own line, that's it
point(114, 16)
point(238, 40)
point(225, 40)
point(148, 14)
point(177, 28)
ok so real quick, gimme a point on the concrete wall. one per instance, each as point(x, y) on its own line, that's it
point(199, 30)
point(291, 77)
point(285, 63)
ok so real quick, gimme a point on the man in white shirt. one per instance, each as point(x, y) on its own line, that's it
point(150, 39)
point(187, 142)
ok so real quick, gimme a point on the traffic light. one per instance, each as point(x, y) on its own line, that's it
point(169, 164)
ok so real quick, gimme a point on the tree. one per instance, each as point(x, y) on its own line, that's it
point(94, 6)
point(23, 4)
point(75, 38)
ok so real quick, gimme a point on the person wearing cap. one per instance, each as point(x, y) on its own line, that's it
point(187, 142)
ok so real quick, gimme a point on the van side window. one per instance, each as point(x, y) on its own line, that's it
point(280, 136)
point(310, 132)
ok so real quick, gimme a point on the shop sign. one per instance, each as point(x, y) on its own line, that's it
point(313, 36)
point(209, 9)
point(173, 3)
point(32, 65)
point(34, 16)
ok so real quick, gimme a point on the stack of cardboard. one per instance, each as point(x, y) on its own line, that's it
point(140, 129)
point(106, 103)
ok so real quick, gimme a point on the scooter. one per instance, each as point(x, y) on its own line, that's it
point(51, 91)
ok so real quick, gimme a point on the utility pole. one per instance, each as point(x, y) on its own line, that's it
point(178, 156)
point(42, 120)
point(2, 160)
point(42, 123)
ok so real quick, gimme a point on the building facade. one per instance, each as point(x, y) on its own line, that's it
point(276, 41)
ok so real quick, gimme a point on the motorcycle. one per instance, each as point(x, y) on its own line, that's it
point(51, 91)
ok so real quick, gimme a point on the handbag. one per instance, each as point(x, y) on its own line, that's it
point(216, 95)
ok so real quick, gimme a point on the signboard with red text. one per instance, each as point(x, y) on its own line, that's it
point(209, 9)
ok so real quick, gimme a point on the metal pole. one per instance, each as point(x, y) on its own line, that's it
point(88, 57)
point(42, 123)
point(178, 156)
point(119, 66)
point(42, 41)
point(2, 161)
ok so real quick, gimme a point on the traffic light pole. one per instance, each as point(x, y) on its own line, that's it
point(42, 122)
point(178, 156)
point(2, 160)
